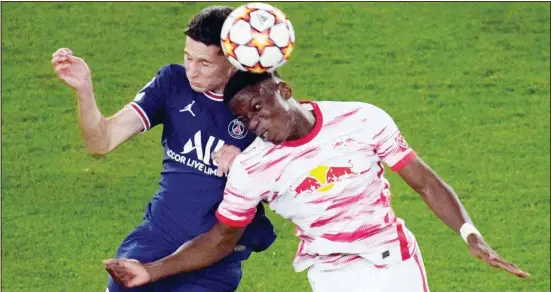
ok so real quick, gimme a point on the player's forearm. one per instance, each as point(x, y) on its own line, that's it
point(200, 252)
point(443, 201)
point(93, 125)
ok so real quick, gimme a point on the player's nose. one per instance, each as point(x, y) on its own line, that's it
point(253, 125)
point(192, 70)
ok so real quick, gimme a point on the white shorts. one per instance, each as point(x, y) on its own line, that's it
point(364, 276)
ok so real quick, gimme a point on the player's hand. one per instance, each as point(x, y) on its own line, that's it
point(480, 249)
point(128, 272)
point(71, 70)
point(224, 157)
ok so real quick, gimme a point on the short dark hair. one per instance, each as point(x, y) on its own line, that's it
point(241, 79)
point(206, 26)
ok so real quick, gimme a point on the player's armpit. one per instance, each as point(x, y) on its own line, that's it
point(200, 252)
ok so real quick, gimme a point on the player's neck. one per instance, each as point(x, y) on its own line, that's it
point(303, 121)
point(218, 90)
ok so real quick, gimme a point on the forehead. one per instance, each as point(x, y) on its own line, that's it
point(263, 89)
point(199, 50)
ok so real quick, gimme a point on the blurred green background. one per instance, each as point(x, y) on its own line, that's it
point(467, 83)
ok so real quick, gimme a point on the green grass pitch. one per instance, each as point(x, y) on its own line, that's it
point(468, 84)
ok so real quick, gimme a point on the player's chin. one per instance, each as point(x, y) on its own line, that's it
point(197, 88)
point(275, 140)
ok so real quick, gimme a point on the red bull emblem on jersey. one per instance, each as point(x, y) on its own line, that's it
point(323, 178)
point(237, 129)
point(402, 142)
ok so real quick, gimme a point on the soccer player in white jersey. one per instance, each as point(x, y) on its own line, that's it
point(320, 165)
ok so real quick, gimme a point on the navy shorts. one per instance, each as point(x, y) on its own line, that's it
point(146, 245)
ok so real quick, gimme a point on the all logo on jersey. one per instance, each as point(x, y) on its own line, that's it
point(203, 153)
point(202, 161)
point(237, 129)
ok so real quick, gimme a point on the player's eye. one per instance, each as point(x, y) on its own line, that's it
point(257, 107)
point(206, 64)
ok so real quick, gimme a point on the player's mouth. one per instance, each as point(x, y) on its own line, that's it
point(265, 136)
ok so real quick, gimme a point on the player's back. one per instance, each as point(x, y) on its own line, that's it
point(194, 125)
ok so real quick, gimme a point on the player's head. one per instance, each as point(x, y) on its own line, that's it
point(264, 103)
point(206, 66)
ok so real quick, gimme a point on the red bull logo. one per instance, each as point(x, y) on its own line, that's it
point(323, 178)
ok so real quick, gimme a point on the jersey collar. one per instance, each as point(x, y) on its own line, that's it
point(315, 130)
point(214, 96)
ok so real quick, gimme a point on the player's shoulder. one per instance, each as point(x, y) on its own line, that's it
point(172, 71)
point(173, 77)
point(355, 113)
point(339, 109)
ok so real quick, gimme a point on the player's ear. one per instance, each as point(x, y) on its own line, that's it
point(284, 90)
point(231, 68)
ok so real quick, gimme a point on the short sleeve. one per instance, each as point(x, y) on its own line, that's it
point(149, 103)
point(390, 145)
point(241, 196)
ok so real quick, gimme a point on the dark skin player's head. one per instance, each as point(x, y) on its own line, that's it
point(264, 103)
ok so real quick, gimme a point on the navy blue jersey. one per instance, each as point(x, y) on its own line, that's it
point(194, 125)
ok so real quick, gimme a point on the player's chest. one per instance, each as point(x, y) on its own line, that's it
point(203, 121)
point(329, 166)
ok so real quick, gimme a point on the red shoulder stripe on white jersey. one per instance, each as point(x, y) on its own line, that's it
point(404, 161)
point(143, 116)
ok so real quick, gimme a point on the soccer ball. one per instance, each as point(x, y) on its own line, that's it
point(257, 37)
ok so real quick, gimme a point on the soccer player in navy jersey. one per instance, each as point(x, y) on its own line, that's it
point(187, 100)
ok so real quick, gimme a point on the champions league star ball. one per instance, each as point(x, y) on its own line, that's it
point(257, 37)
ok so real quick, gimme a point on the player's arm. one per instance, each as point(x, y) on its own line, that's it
point(234, 213)
point(200, 252)
point(101, 135)
point(439, 196)
point(396, 153)
point(444, 202)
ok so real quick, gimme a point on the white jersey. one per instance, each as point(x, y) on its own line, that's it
point(330, 184)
